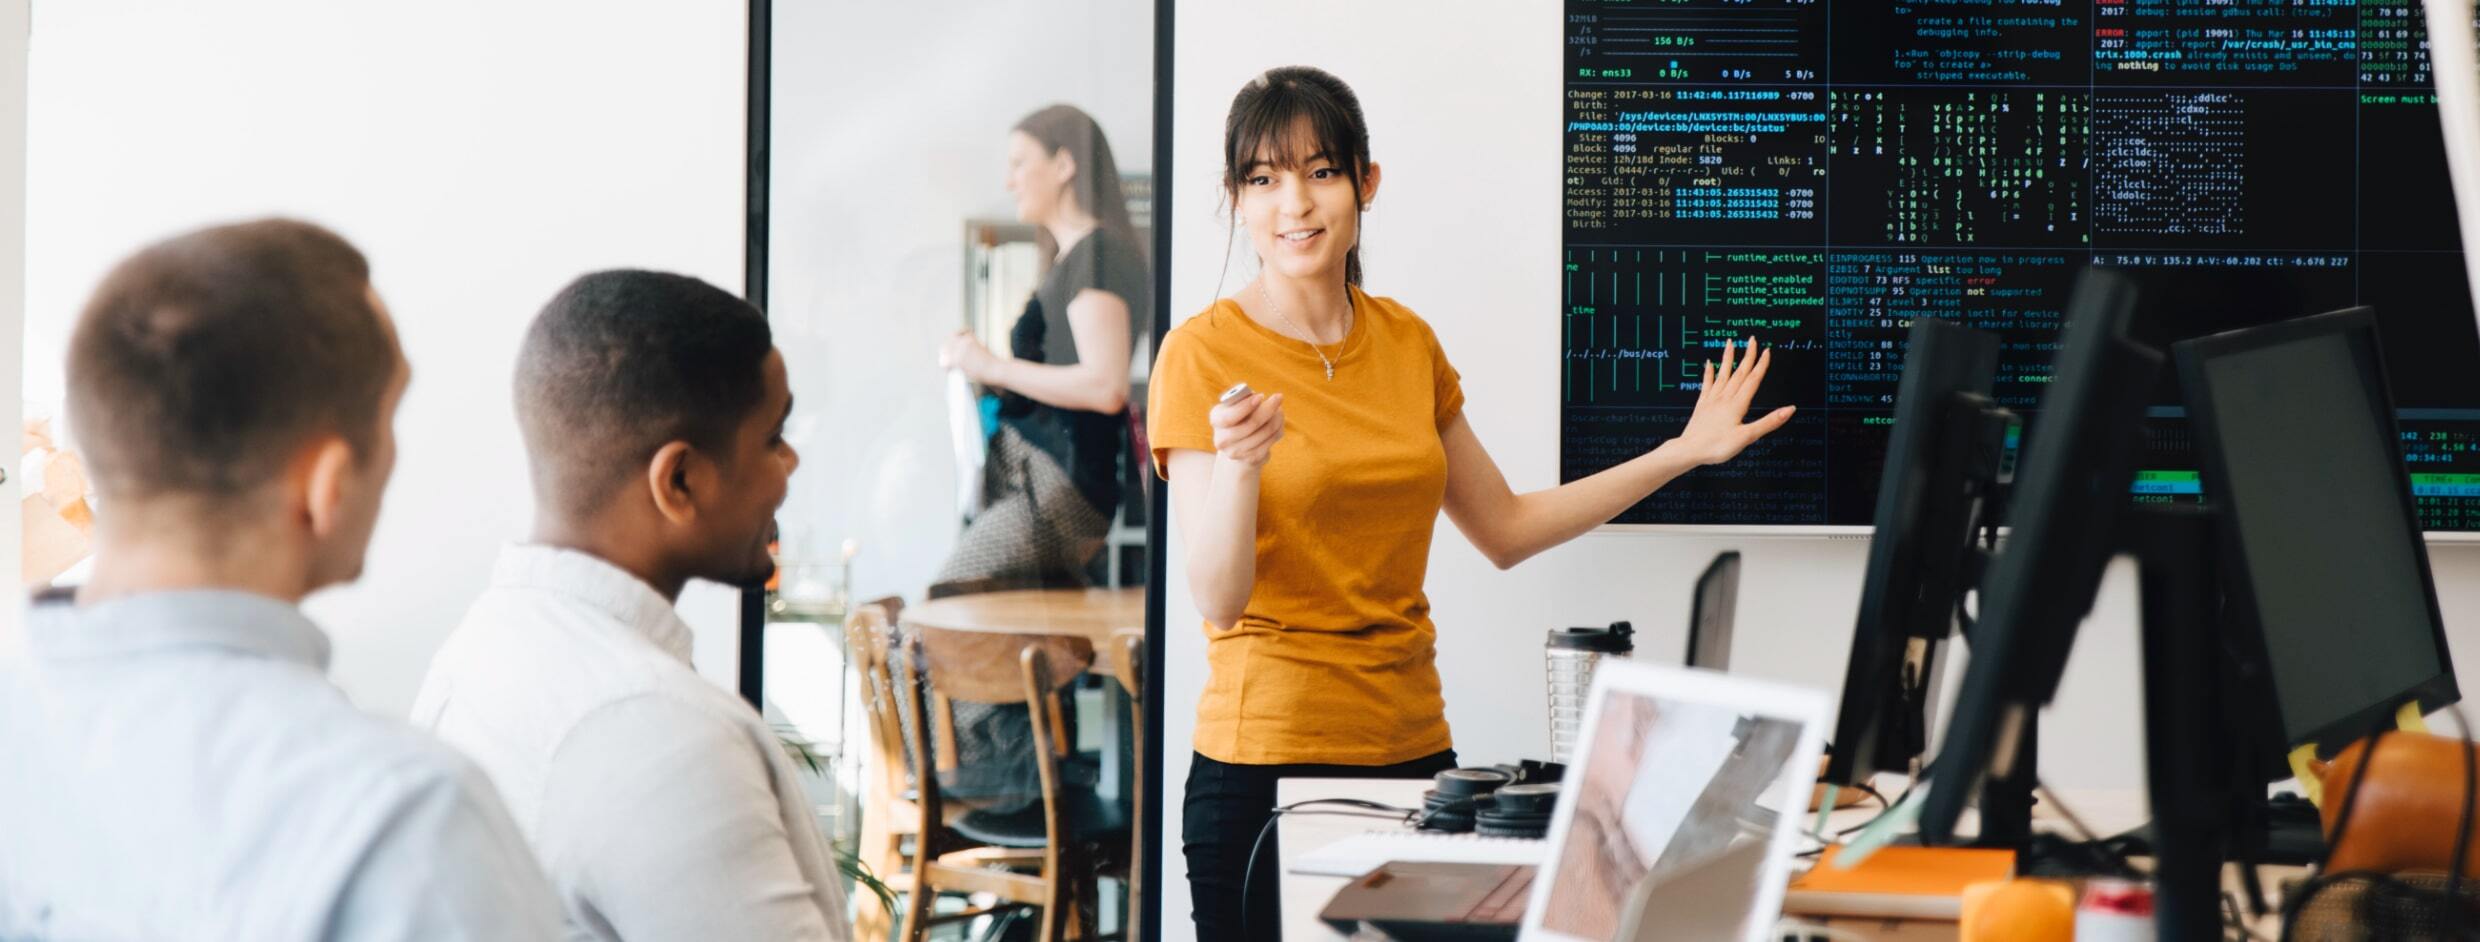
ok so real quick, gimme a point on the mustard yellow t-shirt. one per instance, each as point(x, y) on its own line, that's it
point(1334, 660)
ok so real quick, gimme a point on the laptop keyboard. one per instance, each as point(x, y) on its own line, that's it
point(1505, 905)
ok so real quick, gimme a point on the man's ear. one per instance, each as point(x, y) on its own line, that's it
point(325, 470)
point(675, 479)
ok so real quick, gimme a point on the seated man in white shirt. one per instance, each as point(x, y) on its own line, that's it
point(174, 763)
point(662, 806)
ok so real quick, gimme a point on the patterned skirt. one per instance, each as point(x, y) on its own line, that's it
point(1035, 529)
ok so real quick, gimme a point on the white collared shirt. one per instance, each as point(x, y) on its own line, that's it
point(177, 766)
point(662, 806)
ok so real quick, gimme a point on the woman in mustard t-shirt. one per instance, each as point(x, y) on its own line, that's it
point(1308, 564)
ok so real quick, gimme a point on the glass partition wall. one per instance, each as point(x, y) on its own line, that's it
point(953, 236)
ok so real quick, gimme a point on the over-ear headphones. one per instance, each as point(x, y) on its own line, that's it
point(1493, 801)
point(1516, 811)
point(1448, 805)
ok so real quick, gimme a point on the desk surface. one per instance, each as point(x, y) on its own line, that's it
point(1092, 614)
point(2107, 811)
point(1297, 834)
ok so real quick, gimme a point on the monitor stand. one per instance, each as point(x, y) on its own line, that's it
point(2193, 762)
point(2191, 758)
point(2208, 749)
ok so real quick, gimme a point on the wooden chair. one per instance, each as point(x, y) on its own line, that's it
point(1128, 666)
point(890, 812)
point(1058, 845)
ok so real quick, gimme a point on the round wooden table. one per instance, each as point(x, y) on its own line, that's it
point(1092, 614)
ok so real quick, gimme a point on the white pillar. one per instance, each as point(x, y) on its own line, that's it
point(2452, 63)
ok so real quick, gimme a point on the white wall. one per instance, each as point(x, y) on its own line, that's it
point(480, 153)
point(886, 137)
point(14, 20)
point(1462, 99)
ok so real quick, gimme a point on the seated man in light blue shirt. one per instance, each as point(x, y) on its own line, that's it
point(661, 805)
point(174, 763)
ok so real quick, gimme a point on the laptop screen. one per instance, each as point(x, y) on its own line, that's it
point(1676, 802)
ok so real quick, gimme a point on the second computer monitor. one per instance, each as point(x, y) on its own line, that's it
point(1925, 514)
point(2069, 492)
point(2320, 537)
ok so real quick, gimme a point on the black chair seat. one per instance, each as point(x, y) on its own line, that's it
point(1075, 772)
point(1090, 820)
point(1012, 787)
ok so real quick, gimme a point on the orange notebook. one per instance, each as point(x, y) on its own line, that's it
point(1898, 882)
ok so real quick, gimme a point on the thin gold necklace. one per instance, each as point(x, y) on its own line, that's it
point(1307, 337)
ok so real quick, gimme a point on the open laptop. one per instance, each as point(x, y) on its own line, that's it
point(1709, 621)
point(1676, 821)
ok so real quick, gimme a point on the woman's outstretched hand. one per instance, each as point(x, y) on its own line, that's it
point(1718, 430)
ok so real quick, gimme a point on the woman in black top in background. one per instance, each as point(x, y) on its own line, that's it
point(1051, 481)
point(1052, 478)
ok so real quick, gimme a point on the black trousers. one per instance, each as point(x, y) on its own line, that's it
point(1226, 807)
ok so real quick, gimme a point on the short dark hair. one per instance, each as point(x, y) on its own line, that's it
point(621, 363)
point(204, 360)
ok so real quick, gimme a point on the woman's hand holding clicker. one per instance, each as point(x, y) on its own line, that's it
point(1245, 430)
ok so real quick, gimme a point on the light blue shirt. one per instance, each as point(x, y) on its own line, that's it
point(177, 766)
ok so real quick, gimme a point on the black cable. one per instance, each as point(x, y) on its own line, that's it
point(1913, 781)
point(1372, 815)
point(1976, 559)
point(1249, 875)
point(1349, 802)
point(1421, 820)
point(2350, 794)
point(2297, 900)
point(2089, 850)
point(2252, 880)
point(1864, 825)
point(2384, 887)
point(2234, 921)
point(2462, 828)
point(1889, 804)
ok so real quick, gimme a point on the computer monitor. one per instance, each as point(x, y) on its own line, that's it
point(1896, 161)
point(1716, 607)
point(1940, 465)
point(2328, 580)
point(2069, 490)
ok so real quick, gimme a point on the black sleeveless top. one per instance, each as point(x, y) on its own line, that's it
point(1087, 445)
